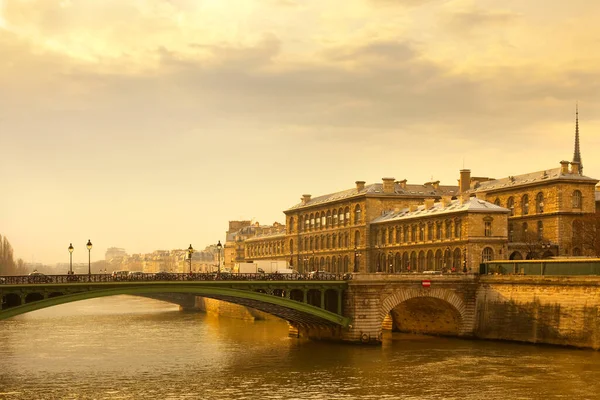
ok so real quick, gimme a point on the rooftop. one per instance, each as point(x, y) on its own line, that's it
point(377, 189)
point(472, 204)
point(528, 179)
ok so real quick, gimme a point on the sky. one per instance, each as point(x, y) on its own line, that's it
point(149, 124)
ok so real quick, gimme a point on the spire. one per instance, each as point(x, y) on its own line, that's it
point(576, 152)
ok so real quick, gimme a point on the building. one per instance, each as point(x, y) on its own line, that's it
point(394, 226)
point(234, 250)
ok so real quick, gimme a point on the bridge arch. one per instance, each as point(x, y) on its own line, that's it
point(431, 297)
point(285, 308)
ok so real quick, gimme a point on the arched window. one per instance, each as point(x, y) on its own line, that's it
point(300, 223)
point(487, 254)
point(525, 204)
point(430, 231)
point(291, 225)
point(334, 241)
point(328, 243)
point(457, 229)
point(577, 199)
point(335, 218)
point(497, 201)
point(383, 236)
point(413, 233)
point(347, 216)
point(357, 214)
point(448, 229)
point(346, 236)
point(307, 223)
point(539, 203)
point(328, 221)
point(390, 235)
point(510, 204)
point(323, 242)
point(438, 231)
point(540, 230)
point(312, 222)
point(405, 234)
point(311, 244)
point(398, 234)
point(577, 233)
point(421, 233)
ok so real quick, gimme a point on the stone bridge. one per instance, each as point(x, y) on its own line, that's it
point(562, 310)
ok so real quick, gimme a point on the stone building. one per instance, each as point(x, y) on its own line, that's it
point(391, 226)
point(239, 233)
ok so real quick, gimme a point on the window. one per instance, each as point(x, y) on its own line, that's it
point(383, 236)
point(524, 231)
point(334, 241)
point(391, 236)
point(347, 217)
point(539, 203)
point(357, 214)
point(438, 231)
point(577, 199)
point(312, 221)
point(413, 236)
point(405, 234)
point(457, 229)
point(398, 234)
point(357, 239)
point(487, 254)
point(511, 234)
point(328, 222)
point(497, 202)
point(540, 230)
point(291, 224)
point(335, 218)
point(510, 204)
point(421, 233)
point(430, 231)
point(525, 204)
point(323, 220)
point(488, 228)
point(448, 229)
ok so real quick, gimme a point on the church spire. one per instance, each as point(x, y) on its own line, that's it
point(576, 152)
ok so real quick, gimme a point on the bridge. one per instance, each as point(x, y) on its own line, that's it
point(357, 308)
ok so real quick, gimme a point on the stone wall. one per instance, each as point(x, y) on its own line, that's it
point(553, 310)
point(230, 310)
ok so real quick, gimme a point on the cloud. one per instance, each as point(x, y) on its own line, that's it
point(476, 18)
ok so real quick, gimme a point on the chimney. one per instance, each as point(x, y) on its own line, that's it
point(360, 185)
point(436, 185)
point(429, 203)
point(575, 167)
point(446, 200)
point(465, 180)
point(564, 167)
point(403, 183)
point(388, 185)
point(305, 198)
point(464, 198)
point(412, 207)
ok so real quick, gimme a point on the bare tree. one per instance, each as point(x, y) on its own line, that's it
point(586, 234)
point(7, 263)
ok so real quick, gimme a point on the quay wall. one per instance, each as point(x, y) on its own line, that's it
point(230, 310)
point(560, 310)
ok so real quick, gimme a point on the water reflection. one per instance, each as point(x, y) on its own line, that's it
point(134, 348)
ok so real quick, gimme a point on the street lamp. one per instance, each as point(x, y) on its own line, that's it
point(190, 252)
point(219, 247)
point(356, 255)
point(89, 247)
point(70, 258)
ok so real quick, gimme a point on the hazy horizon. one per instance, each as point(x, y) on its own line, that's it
point(149, 125)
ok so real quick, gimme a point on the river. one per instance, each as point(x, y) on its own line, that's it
point(127, 347)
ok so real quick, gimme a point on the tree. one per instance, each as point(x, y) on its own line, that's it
point(586, 234)
point(7, 263)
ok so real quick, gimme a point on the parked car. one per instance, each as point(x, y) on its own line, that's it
point(321, 275)
point(38, 277)
point(120, 275)
point(163, 276)
point(135, 276)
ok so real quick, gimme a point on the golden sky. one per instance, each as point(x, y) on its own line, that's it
point(150, 124)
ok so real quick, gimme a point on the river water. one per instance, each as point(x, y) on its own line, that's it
point(135, 348)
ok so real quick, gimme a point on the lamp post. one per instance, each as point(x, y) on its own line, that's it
point(89, 247)
point(70, 258)
point(190, 252)
point(219, 247)
point(356, 255)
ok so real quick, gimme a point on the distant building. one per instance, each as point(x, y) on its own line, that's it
point(114, 253)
